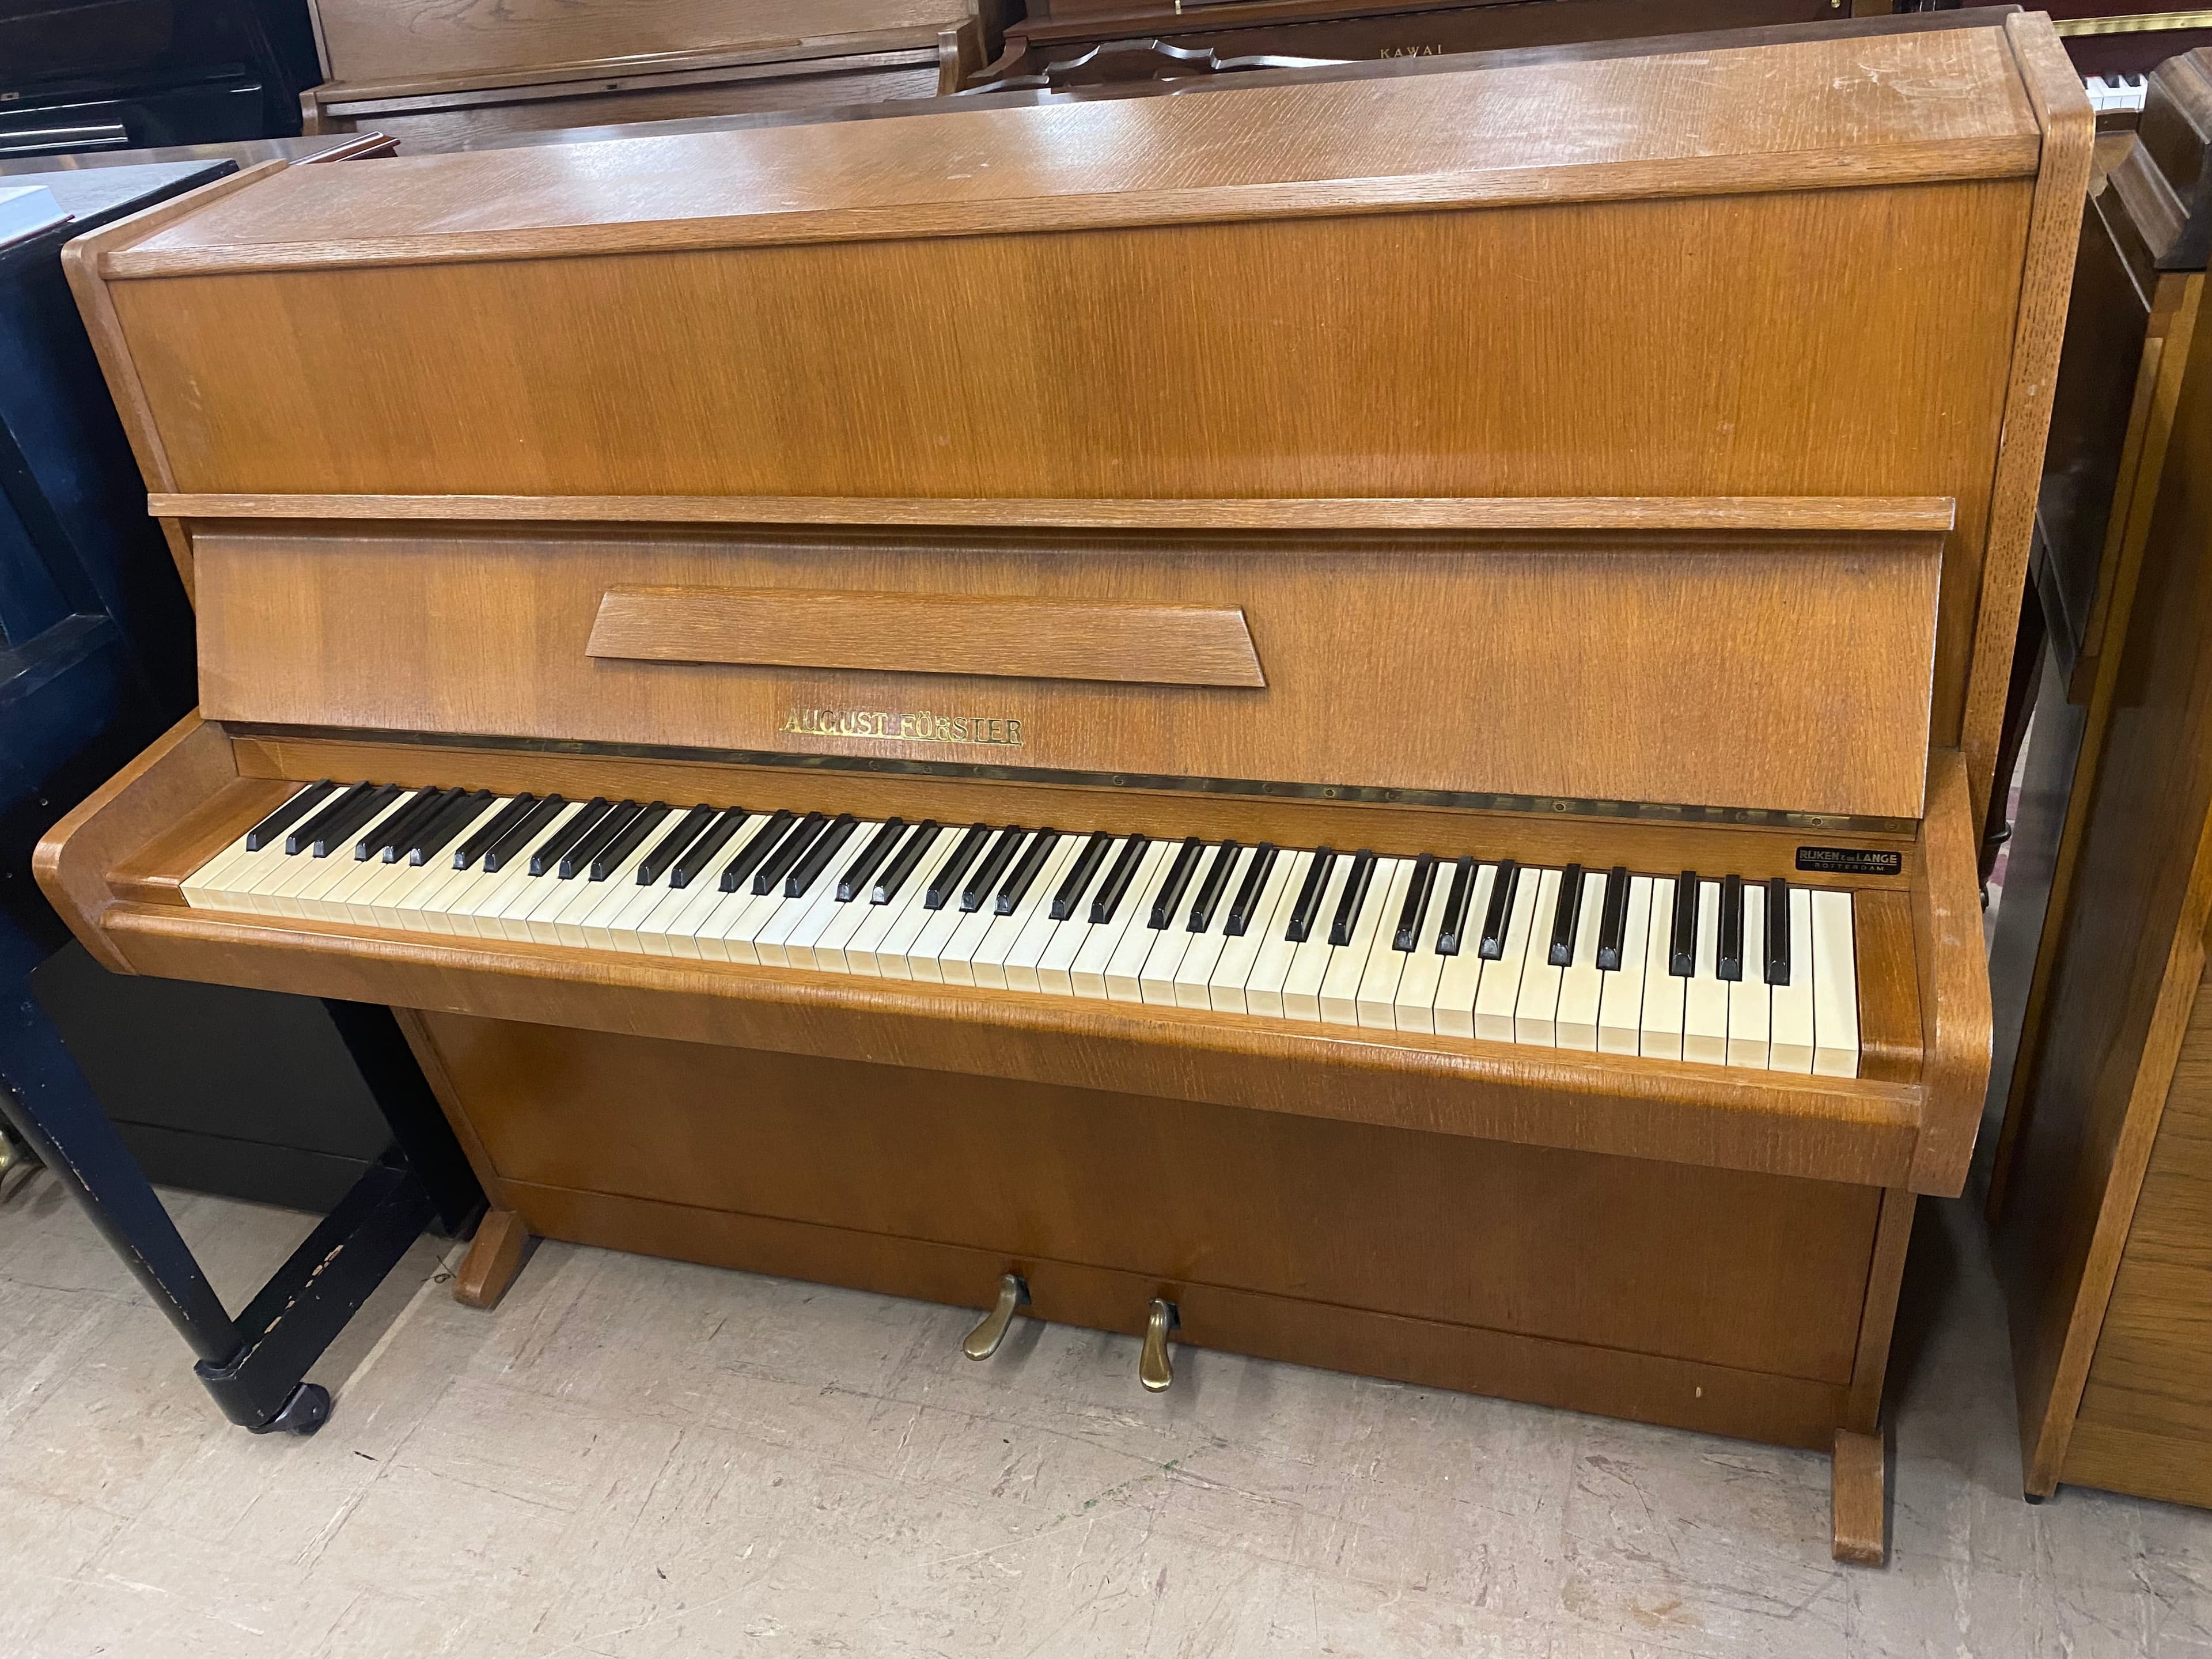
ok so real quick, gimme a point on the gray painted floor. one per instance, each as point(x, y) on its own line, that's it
point(637, 1458)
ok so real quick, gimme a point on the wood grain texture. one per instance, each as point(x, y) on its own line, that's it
point(1878, 1312)
point(2070, 132)
point(997, 635)
point(1682, 1393)
point(1832, 1129)
point(1284, 514)
point(1953, 980)
point(372, 40)
point(2126, 980)
point(1859, 1498)
point(484, 632)
point(186, 764)
point(495, 1257)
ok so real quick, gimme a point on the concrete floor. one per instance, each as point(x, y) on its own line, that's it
point(633, 1457)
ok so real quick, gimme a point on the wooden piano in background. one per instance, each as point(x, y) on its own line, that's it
point(1383, 517)
point(438, 76)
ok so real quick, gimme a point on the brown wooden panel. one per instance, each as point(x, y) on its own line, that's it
point(1585, 665)
point(1710, 1399)
point(999, 636)
point(369, 40)
point(1751, 1272)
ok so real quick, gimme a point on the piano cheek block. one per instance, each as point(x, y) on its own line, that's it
point(985, 635)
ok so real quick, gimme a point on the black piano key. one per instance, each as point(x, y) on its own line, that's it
point(547, 859)
point(855, 881)
point(1077, 880)
point(1729, 964)
point(673, 845)
point(1024, 873)
point(1249, 890)
point(1309, 901)
point(1612, 923)
point(1452, 927)
point(1777, 932)
point(993, 866)
point(525, 830)
point(693, 863)
point(1354, 898)
point(895, 874)
point(788, 851)
point(1566, 916)
point(430, 841)
point(337, 819)
point(418, 806)
point(1117, 880)
point(1207, 900)
point(1499, 915)
point(302, 802)
point(947, 882)
point(578, 859)
point(1167, 898)
point(1682, 948)
point(404, 842)
point(762, 841)
point(1408, 933)
point(808, 871)
point(487, 835)
point(611, 857)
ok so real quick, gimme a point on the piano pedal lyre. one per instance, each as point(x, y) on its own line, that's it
point(1155, 1369)
point(983, 1341)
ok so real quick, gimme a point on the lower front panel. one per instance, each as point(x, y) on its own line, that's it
point(1668, 1291)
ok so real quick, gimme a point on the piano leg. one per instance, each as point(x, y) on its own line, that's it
point(1858, 1496)
point(493, 1259)
point(255, 1365)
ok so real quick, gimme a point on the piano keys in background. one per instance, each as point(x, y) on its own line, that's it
point(2101, 1195)
point(442, 76)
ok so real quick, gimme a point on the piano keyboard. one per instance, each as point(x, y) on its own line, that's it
point(1760, 975)
point(2116, 91)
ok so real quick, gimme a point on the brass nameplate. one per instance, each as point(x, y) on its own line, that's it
point(921, 726)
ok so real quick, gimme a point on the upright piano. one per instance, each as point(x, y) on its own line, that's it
point(1343, 720)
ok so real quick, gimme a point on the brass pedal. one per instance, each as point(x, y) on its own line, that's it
point(1155, 1369)
point(983, 1341)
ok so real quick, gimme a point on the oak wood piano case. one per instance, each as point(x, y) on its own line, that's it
point(484, 502)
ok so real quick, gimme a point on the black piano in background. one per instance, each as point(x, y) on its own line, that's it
point(90, 75)
point(316, 1103)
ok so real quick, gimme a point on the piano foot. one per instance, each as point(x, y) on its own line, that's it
point(307, 1410)
point(983, 1341)
point(1155, 1369)
point(1858, 1496)
point(495, 1257)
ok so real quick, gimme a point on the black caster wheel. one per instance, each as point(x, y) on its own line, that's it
point(307, 1410)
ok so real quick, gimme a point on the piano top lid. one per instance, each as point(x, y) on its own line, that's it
point(1837, 110)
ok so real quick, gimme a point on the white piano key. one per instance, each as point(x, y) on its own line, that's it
point(801, 920)
point(317, 894)
point(1582, 986)
point(1835, 986)
point(1194, 974)
point(821, 944)
point(1458, 976)
point(268, 889)
point(1127, 963)
point(1536, 1010)
point(1055, 969)
point(1375, 1001)
point(1087, 967)
point(593, 926)
point(1620, 1004)
point(1310, 959)
point(627, 926)
point(1341, 980)
point(209, 886)
point(1789, 1037)
point(421, 907)
point(499, 909)
point(1025, 957)
point(1748, 997)
point(1704, 999)
point(925, 959)
point(1499, 993)
point(673, 930)
point(1229, 990)
point(894, 952)
point(989, 963)
point(1660, 1026)
point(729, 933)
point(1155, 980)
